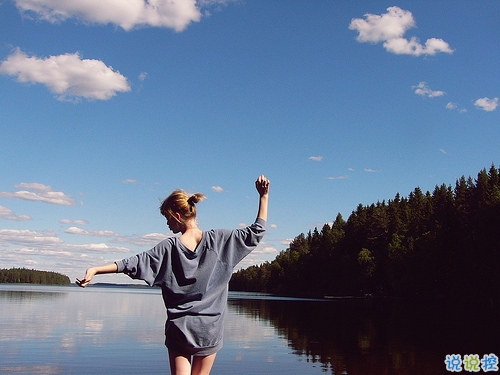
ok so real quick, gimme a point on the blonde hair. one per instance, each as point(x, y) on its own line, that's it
point(179, 201)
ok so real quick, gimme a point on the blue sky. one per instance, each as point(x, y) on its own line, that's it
point(108, 106)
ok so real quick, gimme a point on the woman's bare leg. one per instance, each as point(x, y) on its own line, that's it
point(202, 365)
point(179, 363)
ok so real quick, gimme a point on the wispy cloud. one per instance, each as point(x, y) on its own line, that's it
point(150, 239)
point(68, 76)
point(46, 250)
point(454, 106)
point(256, 256)
point(316, 158)
point(8, 214)
point(265, 250)
point(443, 151)
point(423, 90)
point(337, 177)
point(390, 28)
point(99, 233)
point(217, 189)
point(176, 15)
point(487, 104)
point(96, 248)
point(74, 222)
point(129, 181)
point(369, 170)
point(38, 192)
point(24, 237)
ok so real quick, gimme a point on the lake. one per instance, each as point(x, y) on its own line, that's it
point(119, 330)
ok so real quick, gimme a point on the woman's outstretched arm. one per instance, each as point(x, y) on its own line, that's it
point(262, 186)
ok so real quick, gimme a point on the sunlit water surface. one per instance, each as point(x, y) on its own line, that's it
point(119, 330)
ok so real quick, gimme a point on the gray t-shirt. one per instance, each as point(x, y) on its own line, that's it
point(195, 283)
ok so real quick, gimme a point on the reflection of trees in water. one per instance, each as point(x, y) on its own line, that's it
point(365, 336)
point(23, 295)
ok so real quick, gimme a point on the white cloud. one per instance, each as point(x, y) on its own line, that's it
point(38, 192)
point(369, 170)
point(316, 158)
point(8, 214)
point(262, 251)
point(265, 250)
point(150, 239)
point(423, 90)
point(402, 46)
point(75, 222)
point(452, 106)
point(487, 104)
point(337, 177)
point(98, 233)
point(22, 248)
point(59, 251)
point(174, 14)
point(97, 248)
point(390, 28)
point(29, 238)
point(67, 75)
point(217, 189)
point(443, 151)
point(129, 181)
point(375, 28)
point(45, 250)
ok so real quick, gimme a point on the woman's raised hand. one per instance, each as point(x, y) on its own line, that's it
point(262, 185)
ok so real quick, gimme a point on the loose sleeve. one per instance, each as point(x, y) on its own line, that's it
point(147, 265)
point(242, 241)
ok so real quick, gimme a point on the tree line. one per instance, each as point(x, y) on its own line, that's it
point(27, 276)
point(440, 244)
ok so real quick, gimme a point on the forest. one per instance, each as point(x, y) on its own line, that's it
point(27, 276)
point(443, 244)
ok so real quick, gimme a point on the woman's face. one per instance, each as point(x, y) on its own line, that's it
point(174, 223)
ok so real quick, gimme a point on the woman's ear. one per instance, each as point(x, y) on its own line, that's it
point(178, 217)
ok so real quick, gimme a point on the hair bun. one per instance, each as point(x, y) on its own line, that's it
point(195, 198)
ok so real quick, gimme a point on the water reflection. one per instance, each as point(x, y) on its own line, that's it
point(368, 336)
point(20, 295)
point(68, 330)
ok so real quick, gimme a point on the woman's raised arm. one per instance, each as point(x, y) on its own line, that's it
point(262, 186)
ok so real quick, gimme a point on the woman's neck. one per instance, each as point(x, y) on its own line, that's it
point(191, 235)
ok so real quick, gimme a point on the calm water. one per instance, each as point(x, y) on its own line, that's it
point(68, 330)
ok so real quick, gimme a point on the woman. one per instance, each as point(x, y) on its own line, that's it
point(193, 271)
